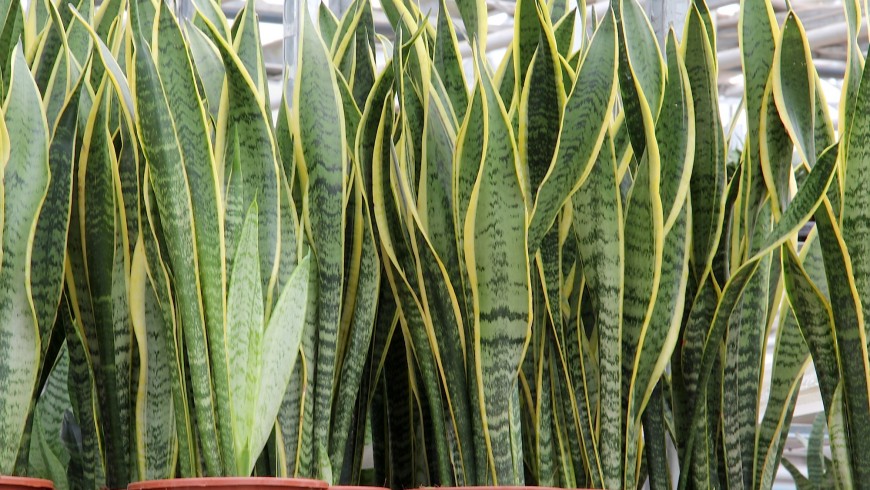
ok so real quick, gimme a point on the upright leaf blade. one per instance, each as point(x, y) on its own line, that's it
point(25, 182)
point(322, 157)
point(498, 272)
point(587, 112)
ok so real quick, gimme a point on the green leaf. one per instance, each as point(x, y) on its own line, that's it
point(563, 32)
point(816, 322)
point(52, 67)
point(155, 422)
point(103, 241)
point(246, 44)
point(25, 182)
point(259, 157)
point(474, 18)
point(48, 455)
point(855, 214)
point(641, 68)
point(791, 360)
point(528, 23)
point(327, 22)
point(815, 457)
point(660, 335)
point(808, 198)
point(584, 123)
point(209, 68)
point(775, 154)
point(433, 237)
point(86, 469)
point(448, 62)
point(794, 87)
point(801, 482)
point(280, 345)
point(160, 143)
point(675, 133)
point(78, 38)
point(644, 245)
point(600, 235)
point(10, 37)
point(731, 296)
point(498, 270)
point(361, 327)
point(540, 112)
point(244, 335)
point(47, 261)
point(839, 439)
point(106, 14)
point(851, 335)
point(854, 67)
point(707, 184)
point(322, 158)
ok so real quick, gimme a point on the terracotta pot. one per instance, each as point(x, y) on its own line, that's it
point(355, 487)
point(250, 483)
point(499, 487)
point(21, 483)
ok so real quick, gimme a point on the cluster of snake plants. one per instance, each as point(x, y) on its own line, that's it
point(585, 267)
point(157, 285)
point(559, 269)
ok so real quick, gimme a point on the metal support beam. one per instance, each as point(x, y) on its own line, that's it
point(339, 7)
point(293, 12)
point(292, 20)
point(664, 14)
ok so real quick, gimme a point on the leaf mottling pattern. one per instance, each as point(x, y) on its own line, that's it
point(322, 158)
point(599, 227)
point(161, 147)
point(498, 271)
point(584, 122)
point(25, 176)
point(708, 175)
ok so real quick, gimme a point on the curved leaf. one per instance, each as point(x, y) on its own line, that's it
point(25, 182)
point(587, 112)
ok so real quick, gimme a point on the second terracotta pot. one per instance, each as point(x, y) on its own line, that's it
point(250, 483)
point(355, 487)
point(21, 483)
point(499, 487)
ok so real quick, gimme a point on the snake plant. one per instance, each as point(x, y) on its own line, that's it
point(548, 270)
point(37, 137)
point(581, 283)
point(185, 275)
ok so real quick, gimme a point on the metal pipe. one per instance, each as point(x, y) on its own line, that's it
point(821, 37)
point(292, 16)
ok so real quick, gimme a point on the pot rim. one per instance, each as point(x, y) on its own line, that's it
point(358, 487)
point(494, 487)
point(231, 481)
point(24, 481)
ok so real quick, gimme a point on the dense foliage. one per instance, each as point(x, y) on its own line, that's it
point(548, 271)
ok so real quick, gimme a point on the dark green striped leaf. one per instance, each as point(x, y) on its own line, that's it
point(498, 272)
point(155, 421)
point(321, 144)
point(708, 171)
point(25, 181)
point(587, 112)
point(599, 228)
point(794, 87)
point(160, 144)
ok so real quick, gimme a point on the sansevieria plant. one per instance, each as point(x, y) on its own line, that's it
point(186, 289)
point(556, 269)
point(652, 266)
point(36, 147)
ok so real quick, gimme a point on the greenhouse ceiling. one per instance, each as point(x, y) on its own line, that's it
point(823, 20)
